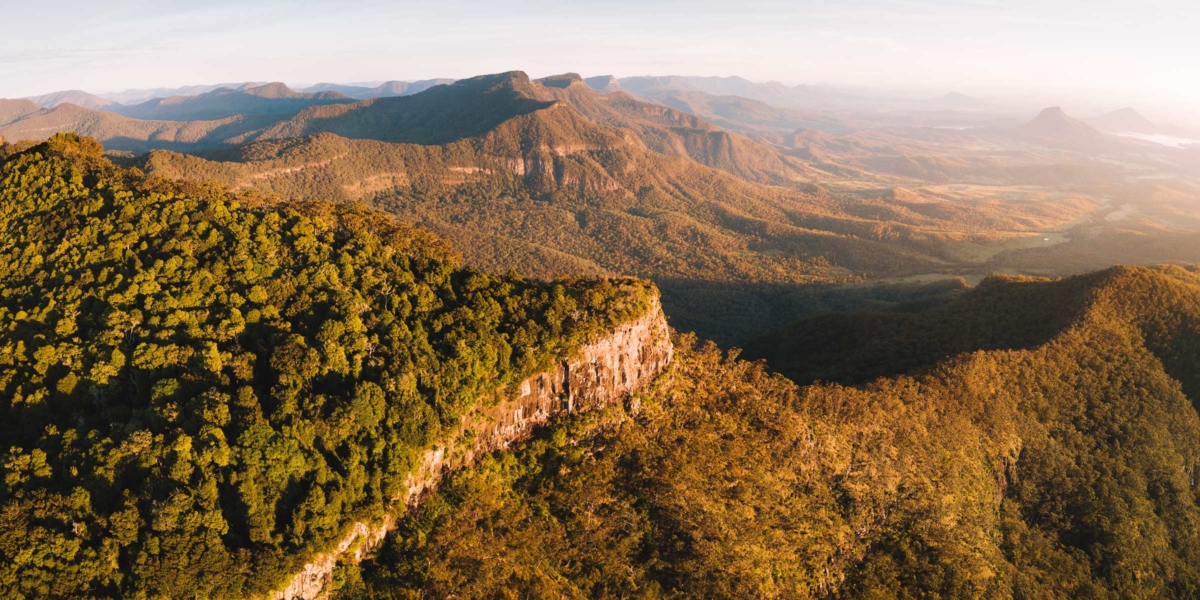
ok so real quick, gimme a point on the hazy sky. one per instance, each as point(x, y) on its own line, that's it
point(1125, 50)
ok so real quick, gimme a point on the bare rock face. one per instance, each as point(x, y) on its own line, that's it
point(608, 370)
point(605, 371)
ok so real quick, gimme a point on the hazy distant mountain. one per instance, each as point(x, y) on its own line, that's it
point(771, 92)
point(384, 90)
point(76, 97)
point(137, 96)
point(349, 90)
point(11, 110)
point(957, 101)
point(1128, 120)
point(1053, 127)
point(1125, 120)
point(736, 113)
point(272, 98)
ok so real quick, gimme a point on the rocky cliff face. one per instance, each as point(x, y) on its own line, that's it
point(610, 369)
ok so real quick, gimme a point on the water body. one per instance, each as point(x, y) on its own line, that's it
point(1165, 140)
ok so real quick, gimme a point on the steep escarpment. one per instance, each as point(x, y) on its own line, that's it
point(1056, 459)
point(202, 391)
point(605, 371)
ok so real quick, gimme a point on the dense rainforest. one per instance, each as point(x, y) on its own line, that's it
point(1031, 439)
point(201, 389)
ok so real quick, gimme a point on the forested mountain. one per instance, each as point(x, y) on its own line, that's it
point(442, 114)
point(1044, 443)
point(271, 98)
point(138, 96)
point(571, 181)
point(76, 97)
point(11, 110)
point(200, 392)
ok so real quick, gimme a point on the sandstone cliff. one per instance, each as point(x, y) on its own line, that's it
point(607, 370)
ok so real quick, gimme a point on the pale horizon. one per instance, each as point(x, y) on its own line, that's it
point(1108, 54)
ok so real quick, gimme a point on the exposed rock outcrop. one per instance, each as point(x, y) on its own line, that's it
point(607, 370)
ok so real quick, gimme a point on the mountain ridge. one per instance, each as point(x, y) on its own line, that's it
point(76, 97)
point(221, 103)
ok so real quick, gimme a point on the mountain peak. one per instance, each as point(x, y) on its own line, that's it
point(561, 81)
point(1054, 125)
point(273, 90)
point(1052, 112)
point(605, 84)
point(1125, 120)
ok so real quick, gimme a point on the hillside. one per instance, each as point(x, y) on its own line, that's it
point(12, 110)
point(137, 96)
point(677, 133)
point(271, 98)
point(1059, 462)
point(442, 114)
point(201, 393)
point(76, 97)
point(550, 193)
point(605, 84)
point(134, 135)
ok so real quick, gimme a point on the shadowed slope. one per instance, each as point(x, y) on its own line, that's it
point(1061, 463)
point(442, 114)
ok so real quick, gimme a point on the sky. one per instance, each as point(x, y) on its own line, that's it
point(1110, 51)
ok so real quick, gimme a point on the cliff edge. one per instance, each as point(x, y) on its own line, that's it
point(607, 370)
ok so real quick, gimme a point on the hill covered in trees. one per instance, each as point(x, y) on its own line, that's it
point(200, 391)
point(1031, 439)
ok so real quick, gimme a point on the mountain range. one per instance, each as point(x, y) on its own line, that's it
point(76, 97)
point(654, 337)
point(383, 90)
point(568, 179)
point(271, 98)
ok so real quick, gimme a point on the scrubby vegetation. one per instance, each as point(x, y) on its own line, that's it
point(199, 392)
point(1060, 463)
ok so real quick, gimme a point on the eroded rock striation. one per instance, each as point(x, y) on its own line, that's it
point(608, 370)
